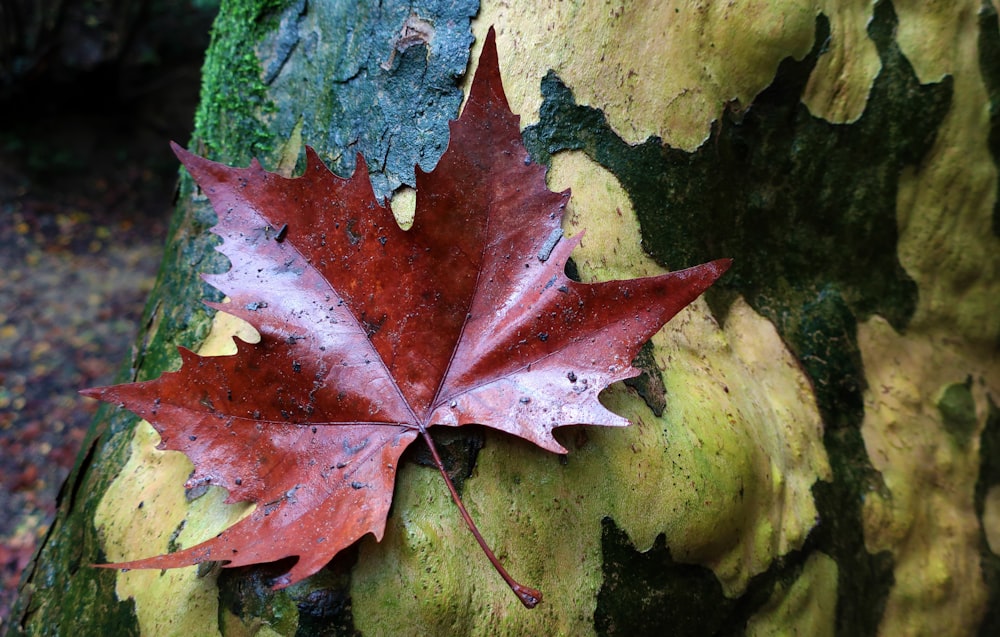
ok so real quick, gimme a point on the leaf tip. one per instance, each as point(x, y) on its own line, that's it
point(93, 392)
point(722, 265)
point(486, 84)
point(314, 163)
point(703, 276)
point(183, 154)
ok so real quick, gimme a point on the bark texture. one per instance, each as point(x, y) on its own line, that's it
point(815, 447)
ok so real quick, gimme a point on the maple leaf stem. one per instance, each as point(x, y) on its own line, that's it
point(530, 597)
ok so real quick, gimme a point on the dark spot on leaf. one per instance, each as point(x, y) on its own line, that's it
point(352, 236)
point(353, 449)
point(372, 327)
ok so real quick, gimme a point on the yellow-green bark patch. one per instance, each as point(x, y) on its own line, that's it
point(928, 387)
point(839, 85)
point(947, 242)
point(991, 519)
point(926, 517)
point(667, 68)
point(804, 608)
point(145, 512)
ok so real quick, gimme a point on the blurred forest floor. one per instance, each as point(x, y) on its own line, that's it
point(86, 192)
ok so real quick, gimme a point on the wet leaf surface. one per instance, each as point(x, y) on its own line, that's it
point(371, 334)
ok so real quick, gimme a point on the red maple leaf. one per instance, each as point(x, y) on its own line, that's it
point(371, 334)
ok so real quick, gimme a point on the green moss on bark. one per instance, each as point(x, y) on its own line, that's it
point(234, 98)
point(59, 588)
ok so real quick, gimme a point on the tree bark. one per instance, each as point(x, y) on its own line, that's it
point(816, 443)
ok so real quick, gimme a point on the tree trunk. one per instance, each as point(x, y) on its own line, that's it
point(816, 442)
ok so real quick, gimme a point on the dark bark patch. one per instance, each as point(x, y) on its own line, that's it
point(649, 383)
point(319, 606)
point(958, 411)
point(650, 593)
point(989, 477)
point(989, 67)
point(458, 447)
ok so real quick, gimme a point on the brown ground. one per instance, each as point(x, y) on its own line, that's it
point(86, 183)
